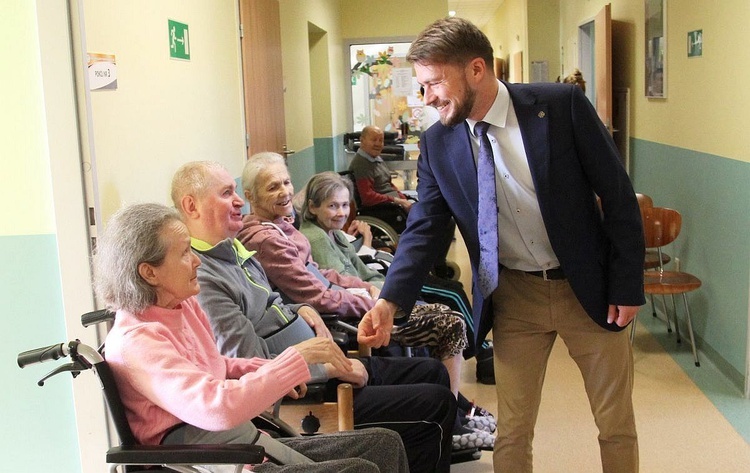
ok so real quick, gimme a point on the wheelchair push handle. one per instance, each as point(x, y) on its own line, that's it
point(40, 355)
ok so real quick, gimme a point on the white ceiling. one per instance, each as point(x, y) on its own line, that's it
point(476, 11)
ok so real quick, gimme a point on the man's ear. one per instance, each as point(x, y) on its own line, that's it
point(189, 206)
point(476, 69)
point(146, 270)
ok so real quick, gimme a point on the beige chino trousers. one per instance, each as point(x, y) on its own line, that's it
point(529, 314)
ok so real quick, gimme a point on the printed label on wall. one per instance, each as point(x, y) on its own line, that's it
point(102, 71)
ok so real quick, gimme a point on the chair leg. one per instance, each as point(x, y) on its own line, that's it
point(690, 329)
point(666, 315)
point(676, 322)
point(666, 312)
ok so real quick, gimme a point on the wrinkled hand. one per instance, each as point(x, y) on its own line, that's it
point(374, 292)
point(621, 314)
point(323, 350)
point(298, 392)
point(313, 319)
point(358, 228)
point(358, 377)
point(374, 329)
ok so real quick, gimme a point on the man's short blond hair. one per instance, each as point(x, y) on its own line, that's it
point(193, 179)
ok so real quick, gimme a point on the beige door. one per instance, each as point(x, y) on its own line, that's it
point(603, 65)
point(262, 76)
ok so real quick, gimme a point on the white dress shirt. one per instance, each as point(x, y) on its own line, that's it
point(524, 244)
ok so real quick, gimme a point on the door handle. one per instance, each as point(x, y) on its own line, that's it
point(286, 151)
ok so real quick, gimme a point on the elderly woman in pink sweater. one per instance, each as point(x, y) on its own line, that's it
point(175, 385)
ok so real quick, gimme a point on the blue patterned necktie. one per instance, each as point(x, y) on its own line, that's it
point(487, 214)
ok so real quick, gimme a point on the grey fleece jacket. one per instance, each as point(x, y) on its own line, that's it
point(248, 319)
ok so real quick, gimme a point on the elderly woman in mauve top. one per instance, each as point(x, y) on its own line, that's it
point(285, 255)
point(175, 385)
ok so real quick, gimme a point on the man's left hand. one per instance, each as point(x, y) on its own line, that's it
point(621, 314)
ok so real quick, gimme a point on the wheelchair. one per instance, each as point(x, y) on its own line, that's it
point(387, 220)
point(134, 457)
point(129, 454)
point(332, 406)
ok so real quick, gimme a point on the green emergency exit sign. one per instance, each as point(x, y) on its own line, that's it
point(695, 43)
point(179, 40)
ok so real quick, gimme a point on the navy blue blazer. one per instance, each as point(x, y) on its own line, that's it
point(572, 159)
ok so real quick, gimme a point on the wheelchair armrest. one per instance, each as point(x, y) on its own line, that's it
point(231, 454)
point(329, 319)
point(339, 338)
point(383, 206)
point(368, 260)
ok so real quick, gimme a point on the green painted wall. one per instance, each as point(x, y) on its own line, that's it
point(38, 424)
point(35, 419)
point(713, 196)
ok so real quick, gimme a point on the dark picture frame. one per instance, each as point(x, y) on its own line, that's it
point(656, 48)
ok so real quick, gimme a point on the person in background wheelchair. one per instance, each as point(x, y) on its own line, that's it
point(381, 197)
point(408, 395)
point(175, 385)
point(373, 177)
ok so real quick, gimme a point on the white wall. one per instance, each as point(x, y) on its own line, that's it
point(165, 112)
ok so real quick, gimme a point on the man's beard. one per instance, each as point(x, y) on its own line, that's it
point(463, 111)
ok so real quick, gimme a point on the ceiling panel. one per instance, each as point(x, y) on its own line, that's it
point(476, 11)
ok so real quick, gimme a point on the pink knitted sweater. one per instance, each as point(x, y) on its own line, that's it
point(168, 370)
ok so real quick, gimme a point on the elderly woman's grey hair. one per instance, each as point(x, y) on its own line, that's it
point(132, 236)
point(254, 165)
point(192, 179)
point(321, 187)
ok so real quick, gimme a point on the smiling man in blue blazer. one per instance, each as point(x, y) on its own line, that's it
point(561, 263)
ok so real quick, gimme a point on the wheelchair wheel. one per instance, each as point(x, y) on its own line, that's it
point(381, 230)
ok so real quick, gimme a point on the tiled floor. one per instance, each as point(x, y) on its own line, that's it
point(689, 419)
point(680, 429)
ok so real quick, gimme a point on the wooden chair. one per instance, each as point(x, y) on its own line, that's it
point(661, 227)
point(655, 259)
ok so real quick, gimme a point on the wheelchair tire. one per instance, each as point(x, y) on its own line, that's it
point(381, 230)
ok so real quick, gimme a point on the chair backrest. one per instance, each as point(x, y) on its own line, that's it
point(108, 383)
point(644, 201)
point(661, 226)
point(115, 405)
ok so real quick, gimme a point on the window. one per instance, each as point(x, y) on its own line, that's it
point(384, 91)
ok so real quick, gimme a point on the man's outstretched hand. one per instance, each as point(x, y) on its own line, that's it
point(376, 325)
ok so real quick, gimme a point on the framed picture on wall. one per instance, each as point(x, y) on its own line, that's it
point(656, 48)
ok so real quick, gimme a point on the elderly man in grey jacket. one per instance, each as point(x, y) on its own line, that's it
point(408, 395)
